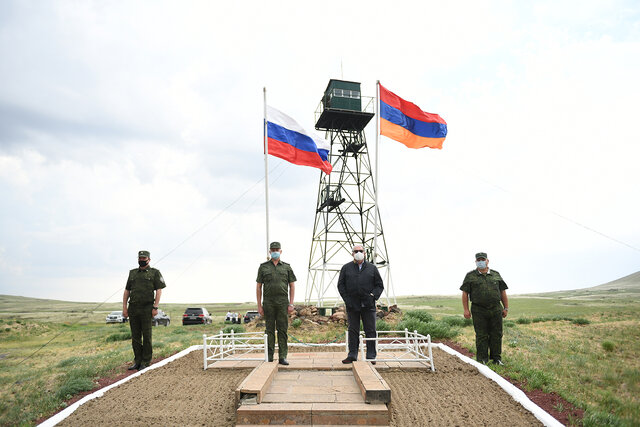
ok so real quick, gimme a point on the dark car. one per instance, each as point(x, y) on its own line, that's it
point(161, 318)
point(250, 315)
point(196, 316)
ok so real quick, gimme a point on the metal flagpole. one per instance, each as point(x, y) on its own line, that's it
point(266, 166)
point(375, 181)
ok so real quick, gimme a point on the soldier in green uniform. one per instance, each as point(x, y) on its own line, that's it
point(142, 283)
point(278, 281)
point(489, 305)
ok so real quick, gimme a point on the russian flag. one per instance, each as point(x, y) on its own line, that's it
point(289, 141)
point(407, 123)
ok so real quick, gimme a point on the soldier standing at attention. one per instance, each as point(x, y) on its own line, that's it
point(487, 291)
point(143, 306)
point(279, 290)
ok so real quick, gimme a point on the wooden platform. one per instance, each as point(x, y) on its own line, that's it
point(319, 361)
point(313, 391)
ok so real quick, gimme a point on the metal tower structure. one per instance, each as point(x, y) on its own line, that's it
point(346, 207)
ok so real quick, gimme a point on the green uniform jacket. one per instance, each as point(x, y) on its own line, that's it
point(484, 289)
point(141, 285)
point(276, 279)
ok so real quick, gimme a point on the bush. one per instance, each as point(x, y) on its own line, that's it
point(381, 325)
point(457, 321)
point(523, 321)
point(421, 315)
point(70, 361)
point(236, 328)
point(539, 319)
point(608, 345)
point(121, 336)
point(436, 328)
point(581, 321)
point(509, 324)
point(296, 323)
point(74, 385)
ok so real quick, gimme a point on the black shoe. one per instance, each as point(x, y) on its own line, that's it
point(373, 362)
point(283, 362)
point(349, 360)
point(142, 366)
point(497, 362)
point(133, 367)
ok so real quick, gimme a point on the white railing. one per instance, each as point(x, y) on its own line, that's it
point(234, 346)
point(399, 346)
point(392, 346)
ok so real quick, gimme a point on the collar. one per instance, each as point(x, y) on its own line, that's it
point(488, 271)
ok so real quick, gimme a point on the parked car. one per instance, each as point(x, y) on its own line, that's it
point(196, 316)
point(116, 317)
point(250, 315)
point(161, 318)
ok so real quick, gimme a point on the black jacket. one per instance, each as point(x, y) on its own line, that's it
point(356, 286)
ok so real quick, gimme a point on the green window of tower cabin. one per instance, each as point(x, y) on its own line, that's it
point(342, 95)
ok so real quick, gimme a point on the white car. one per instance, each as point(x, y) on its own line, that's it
point(116, 317)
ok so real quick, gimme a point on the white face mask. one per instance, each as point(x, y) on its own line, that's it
point(481, 264)
point(358, 256)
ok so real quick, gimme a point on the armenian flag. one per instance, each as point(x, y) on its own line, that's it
point(407, 123)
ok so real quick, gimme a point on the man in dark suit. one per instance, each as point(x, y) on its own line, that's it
point(360, 286)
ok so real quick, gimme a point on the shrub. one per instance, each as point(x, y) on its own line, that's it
point(523, 321)
point(581, 321)
point(236, 328)
point(70, 361)
point(121, 336)
point(381, 325)
point(455, 321)
point(608, 345)
point(509, 324)
point(539, 319)
point(437, 329)
point(296, 323)
point(421, 315)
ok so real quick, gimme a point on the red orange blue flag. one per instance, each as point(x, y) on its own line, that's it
point(405, 122)
point(287, 140)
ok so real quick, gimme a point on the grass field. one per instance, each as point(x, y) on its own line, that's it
point(582, 345)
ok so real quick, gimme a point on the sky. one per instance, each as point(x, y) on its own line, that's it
point(132, 125)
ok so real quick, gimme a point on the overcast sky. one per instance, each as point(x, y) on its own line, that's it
point(138, 125)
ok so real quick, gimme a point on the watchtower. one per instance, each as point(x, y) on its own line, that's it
point(346, 208)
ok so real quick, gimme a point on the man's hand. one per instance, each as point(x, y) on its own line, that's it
point(125, 312)
point(504, 313)
point(154, 312)
point(260, 310)
point(467, 314)
point(290, 308)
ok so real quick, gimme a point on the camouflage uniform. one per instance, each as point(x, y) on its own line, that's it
point(275, 300)
point(142, 284)
point(486, 311)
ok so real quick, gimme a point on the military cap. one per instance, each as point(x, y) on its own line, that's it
point(275, 245)
point(144, 254)
point(481, 255)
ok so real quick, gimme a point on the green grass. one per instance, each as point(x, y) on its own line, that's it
point(583, 348)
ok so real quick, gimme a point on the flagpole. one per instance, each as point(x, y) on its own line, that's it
point(266, 165)
point(375, 181)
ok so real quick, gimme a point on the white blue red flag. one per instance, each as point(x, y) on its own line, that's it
point(291, 142)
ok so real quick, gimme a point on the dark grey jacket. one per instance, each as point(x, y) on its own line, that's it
point(356, 286)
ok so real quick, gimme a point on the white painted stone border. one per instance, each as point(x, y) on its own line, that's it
point(518, 395)
point(68, 411)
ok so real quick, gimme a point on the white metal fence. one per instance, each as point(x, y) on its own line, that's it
point(392, 346)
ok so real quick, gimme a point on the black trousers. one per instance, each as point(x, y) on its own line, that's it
point(140, 324)
point(368, 317)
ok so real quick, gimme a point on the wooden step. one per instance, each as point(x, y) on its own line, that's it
point(257, 382)
point(373, 387)
point(314, 414)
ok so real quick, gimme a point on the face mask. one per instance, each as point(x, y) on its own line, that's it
point(275, 255)
point(143, 263)
point(358, 256)
point(481, 264)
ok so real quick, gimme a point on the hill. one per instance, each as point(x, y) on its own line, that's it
point(624, 287)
